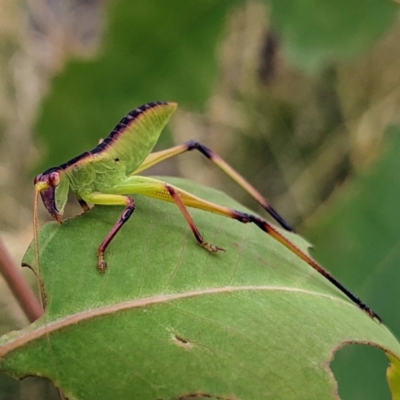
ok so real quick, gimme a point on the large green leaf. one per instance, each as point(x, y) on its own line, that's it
point(169, 319)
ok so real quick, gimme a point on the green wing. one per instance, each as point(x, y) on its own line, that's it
point(134, 137)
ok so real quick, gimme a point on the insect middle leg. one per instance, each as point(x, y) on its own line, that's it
point(116, 199)
point(110, 200)
point(160, 156)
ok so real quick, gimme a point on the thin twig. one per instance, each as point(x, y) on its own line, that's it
point(18, 285)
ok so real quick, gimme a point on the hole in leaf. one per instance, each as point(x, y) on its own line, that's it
point(360, 371)
point(32, 388)
point(182, 342)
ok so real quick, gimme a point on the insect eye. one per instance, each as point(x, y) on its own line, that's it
point(35, 181)
point(54, 179)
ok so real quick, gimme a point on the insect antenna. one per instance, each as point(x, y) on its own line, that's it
point(36, 268)
point(35, 228)
point(42, 294)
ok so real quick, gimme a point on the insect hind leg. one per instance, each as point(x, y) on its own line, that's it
point(271, 230)
point(208, 246)
point(216, 159)
point(160, 156)
point(160, 190)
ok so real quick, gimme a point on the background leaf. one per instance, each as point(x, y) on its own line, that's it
point(393, 374)
point(316, 33)
point(169, 319)
point(151, 53)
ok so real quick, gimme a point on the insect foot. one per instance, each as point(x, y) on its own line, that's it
point(101, 264)
point(210, 247)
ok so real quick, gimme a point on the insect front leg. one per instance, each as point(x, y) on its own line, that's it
point(110, 200)
point(82, 203)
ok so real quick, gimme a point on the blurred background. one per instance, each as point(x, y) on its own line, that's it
point(301, 97)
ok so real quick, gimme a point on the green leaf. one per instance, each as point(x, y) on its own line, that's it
point(318, 32)
point(169, 319)
point(393, 374)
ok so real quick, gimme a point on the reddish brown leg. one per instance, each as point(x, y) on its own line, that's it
point(189, 219)
point(130, 208)
point(271, 230)
point(216, 159)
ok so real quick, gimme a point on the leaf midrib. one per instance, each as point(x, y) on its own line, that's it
point(144, 302)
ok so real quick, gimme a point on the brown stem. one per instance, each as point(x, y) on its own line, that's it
point(18, 285)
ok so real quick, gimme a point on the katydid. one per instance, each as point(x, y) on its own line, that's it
point(108, 174)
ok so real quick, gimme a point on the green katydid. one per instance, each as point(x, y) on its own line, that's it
point(108, 174)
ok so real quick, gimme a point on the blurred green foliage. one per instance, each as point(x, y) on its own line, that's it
point(151, 52)
point(318, 32)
